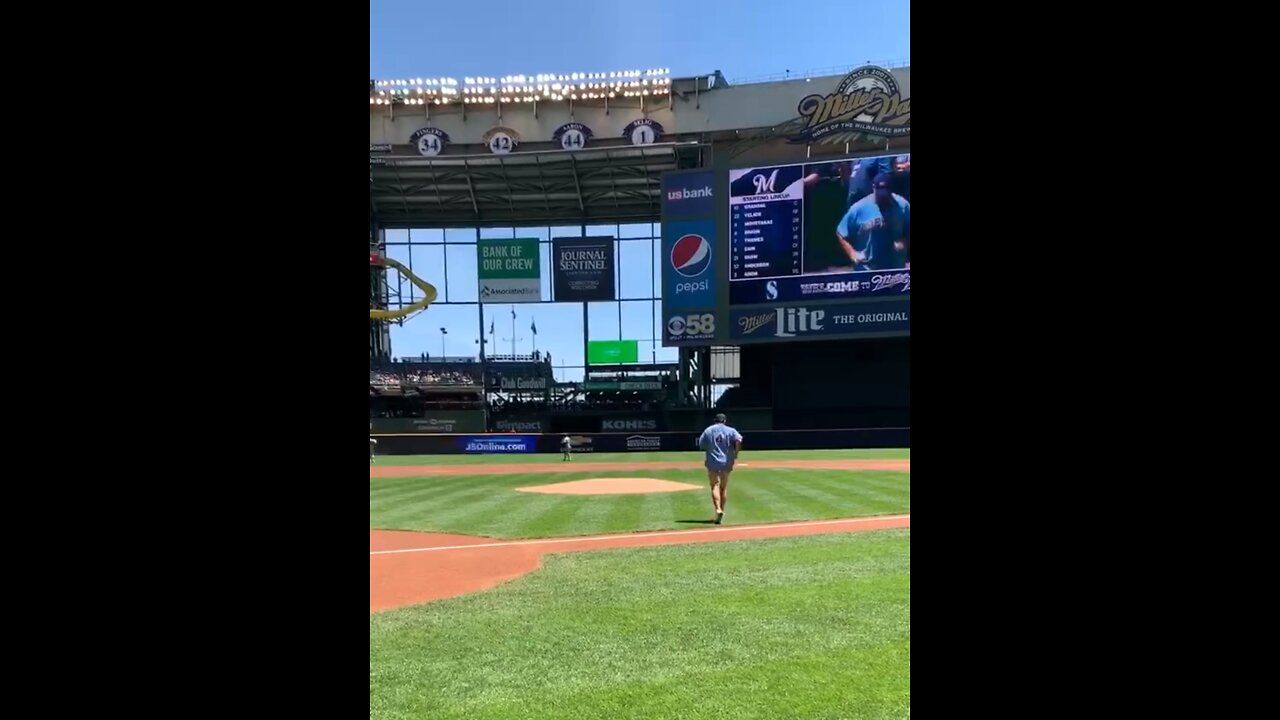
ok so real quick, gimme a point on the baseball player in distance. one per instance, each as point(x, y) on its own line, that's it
point(721, 444)
point(566, 448)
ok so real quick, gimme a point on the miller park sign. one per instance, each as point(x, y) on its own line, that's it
point(866, 103)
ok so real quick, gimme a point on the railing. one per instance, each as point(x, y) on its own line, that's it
point(819, 72)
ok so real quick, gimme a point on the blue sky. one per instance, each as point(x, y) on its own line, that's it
point(742, 39)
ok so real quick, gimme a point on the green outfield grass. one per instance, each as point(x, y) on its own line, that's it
point(488, 505)
point(692, 456)
point(795, 628)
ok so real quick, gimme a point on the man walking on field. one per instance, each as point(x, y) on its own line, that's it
point(721, 444)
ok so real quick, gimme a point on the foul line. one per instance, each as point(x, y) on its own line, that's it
point(659, 533)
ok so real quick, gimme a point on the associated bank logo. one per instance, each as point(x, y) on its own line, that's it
point(690, 257)
point(771, 290)
point(490, 291)
point(687, 194)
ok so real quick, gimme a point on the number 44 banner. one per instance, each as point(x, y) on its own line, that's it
point(572, 136)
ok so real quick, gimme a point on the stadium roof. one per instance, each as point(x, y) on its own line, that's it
point(603, 184)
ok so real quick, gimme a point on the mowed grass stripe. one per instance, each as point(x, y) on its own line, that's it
point(429, 505)
point(627, 511)
point(780, 493)
point(869, 488)
point(441, 487)
point(851, 499)
point(813, 627)
point(479, 514)
point(545, 514)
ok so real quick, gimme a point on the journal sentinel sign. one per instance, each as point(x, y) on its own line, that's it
point(689, 193)
point(497, 444)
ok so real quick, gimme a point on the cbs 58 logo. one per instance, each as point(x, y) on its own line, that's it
point(696, 325)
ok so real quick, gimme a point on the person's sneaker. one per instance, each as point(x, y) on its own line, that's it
point(719, 516)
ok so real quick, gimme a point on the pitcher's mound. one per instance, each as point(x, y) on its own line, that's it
point(609, 486)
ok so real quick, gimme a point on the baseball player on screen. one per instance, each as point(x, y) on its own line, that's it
point(875, 233)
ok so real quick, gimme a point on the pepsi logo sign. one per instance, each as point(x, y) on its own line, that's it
point(691, 255)
point(690, 258)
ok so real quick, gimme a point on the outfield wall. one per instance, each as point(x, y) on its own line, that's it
point(586, 443)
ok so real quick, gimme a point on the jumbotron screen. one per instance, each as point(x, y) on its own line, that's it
point(820, 230)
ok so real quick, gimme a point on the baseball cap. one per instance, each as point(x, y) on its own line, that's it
point(881, 182)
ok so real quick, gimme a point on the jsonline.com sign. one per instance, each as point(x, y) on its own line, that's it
point(498, 445)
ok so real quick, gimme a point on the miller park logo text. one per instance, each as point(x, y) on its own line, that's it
point(867, 101)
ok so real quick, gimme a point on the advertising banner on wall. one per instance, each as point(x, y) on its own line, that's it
point(497, 444)
point(520, 425)
point(510, 271)
point(620, 385)
point(438, 421)
point(515, 384)
point(827, 321)
point(612, 352)
point(690, 194)
point(583, 269)
point(689, 258)
point(628, 424)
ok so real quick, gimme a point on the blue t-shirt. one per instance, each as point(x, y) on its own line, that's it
point(718, 441)
point(873, 231)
